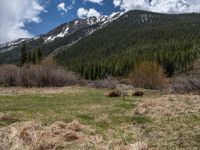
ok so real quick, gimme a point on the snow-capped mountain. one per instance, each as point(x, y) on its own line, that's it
point(13, 43)
point(88, 26)
point(68, 28)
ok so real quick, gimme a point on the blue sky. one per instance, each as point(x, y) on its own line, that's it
point(53, 17)
point(29, 18)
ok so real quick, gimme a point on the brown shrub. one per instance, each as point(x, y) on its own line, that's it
point(148, 75)
point(185, 84)
point(108, 83)
point(44, 75)
point(189, 81)
point(114, 94)
point(9, 75)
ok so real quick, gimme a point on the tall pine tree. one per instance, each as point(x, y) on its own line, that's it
point(29, 57)
point(33, 57)
point(39, 55)
point(23, 54)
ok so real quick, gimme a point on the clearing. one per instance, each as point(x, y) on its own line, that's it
point(84, 118)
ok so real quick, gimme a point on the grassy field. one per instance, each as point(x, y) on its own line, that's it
point(161, 121)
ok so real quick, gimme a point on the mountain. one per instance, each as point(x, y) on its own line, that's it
point(65, 34)
point(113, 45)
point(172, 40)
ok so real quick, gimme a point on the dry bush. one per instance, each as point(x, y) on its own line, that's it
point(47, 74)
point(186, 84)
point(9, 75)
point(148, 75)
point(189, 81)
point(108, 83)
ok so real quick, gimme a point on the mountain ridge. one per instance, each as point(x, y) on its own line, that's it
point(64, 34)
point(114, 45)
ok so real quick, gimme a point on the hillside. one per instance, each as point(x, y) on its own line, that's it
point(63, 35)
point(171, 40)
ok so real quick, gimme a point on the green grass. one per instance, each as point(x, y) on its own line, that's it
point(88, 106)
point(112, 118)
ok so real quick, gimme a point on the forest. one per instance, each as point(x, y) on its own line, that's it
point(137, 36)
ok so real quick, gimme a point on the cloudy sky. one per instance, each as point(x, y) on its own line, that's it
point(29, 18)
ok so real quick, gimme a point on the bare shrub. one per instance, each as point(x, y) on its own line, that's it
point(47, 74)
point(108, 83)
point(189, 81)
point(9, 75)
point(148, 75)
point(186, 84)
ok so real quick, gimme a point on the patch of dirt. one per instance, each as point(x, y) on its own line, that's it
point(169, 105)
point(7, 118)
point(25, 91)
point(32, 135)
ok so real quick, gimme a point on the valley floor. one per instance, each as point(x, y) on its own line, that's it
point(84, 118)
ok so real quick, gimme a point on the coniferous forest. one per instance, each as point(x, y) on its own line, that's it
point(173, 41)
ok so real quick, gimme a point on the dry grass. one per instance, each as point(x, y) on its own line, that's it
point(59, 135)
point(170, 104)
point(38, 91)
point(32, 135)
point(153, 121)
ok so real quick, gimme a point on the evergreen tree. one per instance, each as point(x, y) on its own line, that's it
point(23, 54)
point(29, 57)
point(39, 55)
point(33, 57)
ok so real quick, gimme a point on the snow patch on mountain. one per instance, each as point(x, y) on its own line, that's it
point(85, 22)
point(66, 29)
point(13, 43)
point(60, 35)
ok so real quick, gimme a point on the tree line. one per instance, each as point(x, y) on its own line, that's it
point(34, 56)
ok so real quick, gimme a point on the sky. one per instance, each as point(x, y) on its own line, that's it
point(30, 18)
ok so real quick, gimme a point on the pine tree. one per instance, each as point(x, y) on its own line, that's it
point(23, 54)
point(33, 57)
point(39, 55)
point(29, 57)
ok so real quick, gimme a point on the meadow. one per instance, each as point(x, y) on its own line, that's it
point(162, 121)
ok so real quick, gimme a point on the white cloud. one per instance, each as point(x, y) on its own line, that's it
point(117, 2)
point(95, 1)
point(64, 8)
point(164, 6)
point(14, 15)
point(84, 13)
point(61, 7)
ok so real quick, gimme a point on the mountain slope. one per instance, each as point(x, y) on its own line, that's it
point(64, 34)
point(171, 40)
